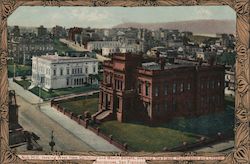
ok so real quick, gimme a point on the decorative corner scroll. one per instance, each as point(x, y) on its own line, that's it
point(101, 2)
point(8, 7)
point(149, 3)
point(241, 152)
point(51, 2)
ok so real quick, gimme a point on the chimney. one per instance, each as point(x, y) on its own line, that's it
point(157, 57)
point(211, 60)
point(200, 61)
point(162, 63)
point(171, 60)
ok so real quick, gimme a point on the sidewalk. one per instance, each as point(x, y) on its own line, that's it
point(220, 147)
point(27, 95)
point(73, 95)
point(87, 136)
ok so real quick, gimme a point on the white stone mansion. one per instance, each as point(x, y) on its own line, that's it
point(53, 71)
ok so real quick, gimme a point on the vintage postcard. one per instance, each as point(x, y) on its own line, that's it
point(97, 82)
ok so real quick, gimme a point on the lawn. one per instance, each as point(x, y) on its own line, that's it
point(21, 70)
point(64, 91)
point(61, 47)
point(172, 134)
point(145, 138)
point(43, 94)
point(208, 125)
point(230, 101)
point(82, 105)
point(24, 83)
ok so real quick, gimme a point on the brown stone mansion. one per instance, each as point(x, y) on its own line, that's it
point(135, 89)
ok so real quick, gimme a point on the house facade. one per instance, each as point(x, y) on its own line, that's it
point(133, 89)
point(98, 45)
point(53, 71)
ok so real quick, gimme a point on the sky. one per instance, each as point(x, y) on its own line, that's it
point(107, 17)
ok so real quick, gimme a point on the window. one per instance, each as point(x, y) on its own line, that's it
point(80, 70)
point(207, 84)
point(118, 84)
point(213, 99)
point(115, 84)
point(157, 107)
point(174, 105)
point(121, 85)
point(67, 71)
point(156, 91)
point(218, 99)
point(174, 87)
point(139, 87)
point(67, 83)
point(182, 87)
point(94, 69)
point(61, 71)
point(165, 89)
point(212, 84)
point(202, 86)
point(73, 71)
point(147, 88)
point(54, 72)
point(189, 105)
point(118, 103)
point(86, 70)
point(218, 84)
point(166, 106)
point(189, 87)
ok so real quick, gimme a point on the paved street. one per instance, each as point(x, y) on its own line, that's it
point(219, 147)
point(85, 135)
point(32, 119)
point(69, 136)
point(74, 46)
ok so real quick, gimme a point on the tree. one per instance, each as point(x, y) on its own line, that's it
point(227, 58)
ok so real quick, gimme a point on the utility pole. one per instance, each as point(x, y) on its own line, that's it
point(14, 76)
point(52, 142)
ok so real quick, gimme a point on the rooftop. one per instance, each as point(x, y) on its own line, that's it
point(157, 66)
point(56, 58)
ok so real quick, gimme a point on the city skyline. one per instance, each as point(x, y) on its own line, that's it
point(107, 17)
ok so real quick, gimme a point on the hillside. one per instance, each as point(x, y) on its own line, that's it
point(195, 26)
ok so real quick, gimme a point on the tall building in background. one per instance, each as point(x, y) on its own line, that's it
point(41, 31)
point(59, 32)
point(16, 31)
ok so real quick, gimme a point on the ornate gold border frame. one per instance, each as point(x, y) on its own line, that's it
point(240, 154)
